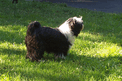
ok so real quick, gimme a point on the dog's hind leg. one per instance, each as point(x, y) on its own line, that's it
point(35, 56)
point(34, 53)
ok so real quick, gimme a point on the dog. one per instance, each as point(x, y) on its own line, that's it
point(52, 40)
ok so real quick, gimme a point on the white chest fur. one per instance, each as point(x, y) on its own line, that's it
point(65, 29)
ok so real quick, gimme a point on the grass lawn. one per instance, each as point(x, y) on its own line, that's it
point(95, 56)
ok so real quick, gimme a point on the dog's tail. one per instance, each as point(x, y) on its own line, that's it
point(33, 28)
point(36, 24)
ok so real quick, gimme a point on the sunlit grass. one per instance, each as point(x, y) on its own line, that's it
point(95, 56)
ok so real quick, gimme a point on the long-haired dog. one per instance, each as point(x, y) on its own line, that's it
point(45, 39)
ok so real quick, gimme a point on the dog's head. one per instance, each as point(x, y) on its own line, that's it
point(76, 25)
point(33, 28)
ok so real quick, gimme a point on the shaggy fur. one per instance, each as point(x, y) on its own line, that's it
point(45, 39)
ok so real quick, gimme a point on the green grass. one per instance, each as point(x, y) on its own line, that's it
point(95, 56)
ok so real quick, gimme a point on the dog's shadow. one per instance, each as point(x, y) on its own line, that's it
point(71, 57)
point(50, 57)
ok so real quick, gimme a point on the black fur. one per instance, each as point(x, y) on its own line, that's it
point(40, 39)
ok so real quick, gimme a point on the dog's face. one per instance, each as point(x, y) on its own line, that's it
point(76, 25)
point(33, 28)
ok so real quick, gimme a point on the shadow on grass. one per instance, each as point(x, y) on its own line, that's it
point(37, 75)
point(11, 37)
point(12, 52)
point(98, 67)
point(75, 67)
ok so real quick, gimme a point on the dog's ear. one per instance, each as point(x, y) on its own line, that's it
point(36, 24)
point(71, 21)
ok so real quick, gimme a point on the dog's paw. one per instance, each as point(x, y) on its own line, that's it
point(63, 57)
point(41, 60)
point(60, 56)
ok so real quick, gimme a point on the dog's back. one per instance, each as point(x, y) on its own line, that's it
point(53, 39)
point(40, 39)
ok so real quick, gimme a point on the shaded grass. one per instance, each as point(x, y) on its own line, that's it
point(95, 56)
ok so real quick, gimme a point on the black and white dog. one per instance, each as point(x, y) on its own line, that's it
point(45, 39)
